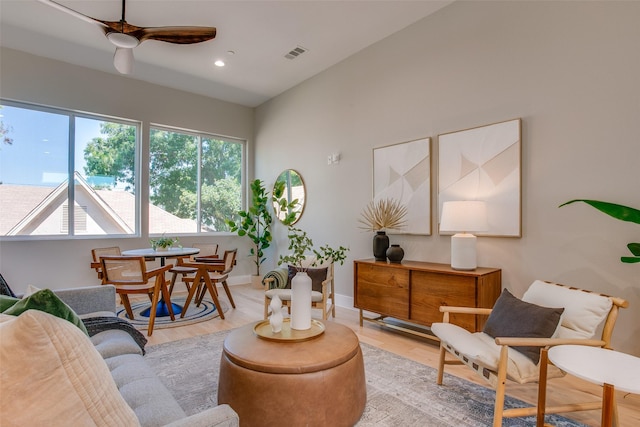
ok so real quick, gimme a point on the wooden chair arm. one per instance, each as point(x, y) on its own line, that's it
point(266, 282)
point(158, 270)
point(325, 286)
point(209, 266)
point(464, 310)
point(96, 265)
point(208, 258)
point(546, 342)
point(180, 259)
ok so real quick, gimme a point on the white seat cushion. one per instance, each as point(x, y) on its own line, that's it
point(481, 349)
point(285, 294)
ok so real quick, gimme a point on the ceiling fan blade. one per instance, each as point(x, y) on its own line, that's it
point(123, 60)
point(177, 35)
point(72, 12)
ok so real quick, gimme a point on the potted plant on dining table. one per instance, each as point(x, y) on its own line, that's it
point(163, 243)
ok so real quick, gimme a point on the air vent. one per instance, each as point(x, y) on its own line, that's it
point(294, 53)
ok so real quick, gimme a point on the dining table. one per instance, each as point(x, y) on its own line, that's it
point(152, 254)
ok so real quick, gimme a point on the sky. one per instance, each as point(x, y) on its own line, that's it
point(38, 155)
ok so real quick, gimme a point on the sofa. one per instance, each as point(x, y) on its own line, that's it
point(118, 358)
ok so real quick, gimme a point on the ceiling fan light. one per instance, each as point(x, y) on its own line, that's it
point(123, 40)
point(123, 60)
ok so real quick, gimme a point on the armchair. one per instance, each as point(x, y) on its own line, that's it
point(493, 355)
point(322, 295)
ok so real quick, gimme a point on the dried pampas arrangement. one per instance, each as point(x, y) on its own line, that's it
point(383, 214)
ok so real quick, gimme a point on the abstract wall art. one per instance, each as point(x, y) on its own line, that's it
point(403, 172)
point(484, 163)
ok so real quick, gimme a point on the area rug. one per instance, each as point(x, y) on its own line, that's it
point(207, 310)
point(400, 392)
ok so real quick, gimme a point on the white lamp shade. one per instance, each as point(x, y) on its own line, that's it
point(464, 216)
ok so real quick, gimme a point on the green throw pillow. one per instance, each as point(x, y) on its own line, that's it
point(45, 300)
point(6, 301)
point(512, 317)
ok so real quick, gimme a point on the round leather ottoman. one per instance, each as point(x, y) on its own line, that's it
point(319, 382)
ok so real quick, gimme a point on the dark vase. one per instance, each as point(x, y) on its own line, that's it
point(395, 254)
point(380, 246)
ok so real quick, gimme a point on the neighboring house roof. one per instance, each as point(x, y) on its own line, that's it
point(39, 210)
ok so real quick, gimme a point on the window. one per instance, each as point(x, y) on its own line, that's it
point(42, 150)
point(195, 181)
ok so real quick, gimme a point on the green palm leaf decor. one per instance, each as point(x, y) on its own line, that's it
point(623, 213)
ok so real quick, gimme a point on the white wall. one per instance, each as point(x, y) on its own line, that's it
point(570, 70)
point(28, 78)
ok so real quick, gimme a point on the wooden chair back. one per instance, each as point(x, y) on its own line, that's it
point(229, 260)
point(206, 249)
point(124, 270)
point(97, 253)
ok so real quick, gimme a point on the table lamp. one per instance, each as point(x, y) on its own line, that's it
point(463, 217)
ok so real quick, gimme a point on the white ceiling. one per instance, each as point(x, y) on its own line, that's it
point(259, 32)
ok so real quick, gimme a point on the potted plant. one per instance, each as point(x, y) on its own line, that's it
point(163, 243)
point(255, 223)
point(621, 212)
point(380, 215)
point(301, 246)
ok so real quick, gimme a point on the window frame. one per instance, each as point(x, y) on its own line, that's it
point(72, 115)
point(200, 135)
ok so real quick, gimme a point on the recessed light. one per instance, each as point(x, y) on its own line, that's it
point(219, 63)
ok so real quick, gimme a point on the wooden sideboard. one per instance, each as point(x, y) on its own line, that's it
point(413, 292)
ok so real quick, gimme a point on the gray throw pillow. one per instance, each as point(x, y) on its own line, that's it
point(512, 317)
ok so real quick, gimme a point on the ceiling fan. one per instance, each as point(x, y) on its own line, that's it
point(126, 36)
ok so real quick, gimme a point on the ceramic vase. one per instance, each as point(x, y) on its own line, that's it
point(276, 317)
point(395, 254)
point(301, 301)
point(380, 246)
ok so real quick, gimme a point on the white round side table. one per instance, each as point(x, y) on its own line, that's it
point(608, 368)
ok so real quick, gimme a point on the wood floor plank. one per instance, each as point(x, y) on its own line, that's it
point(249, 303)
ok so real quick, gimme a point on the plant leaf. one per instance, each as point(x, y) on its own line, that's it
point(634, 248)
point(623, 213)
point(630, 259)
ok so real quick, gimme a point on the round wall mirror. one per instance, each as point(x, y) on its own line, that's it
point(289, 197)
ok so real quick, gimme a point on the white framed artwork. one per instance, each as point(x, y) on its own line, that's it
point(484, 163)
point(403, 172)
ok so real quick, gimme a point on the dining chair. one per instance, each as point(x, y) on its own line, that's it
point(211, 272)
point(129, 275)
point(207, 250)
point(96, 253)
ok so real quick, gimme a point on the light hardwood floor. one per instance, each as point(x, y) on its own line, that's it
point(249, 303)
